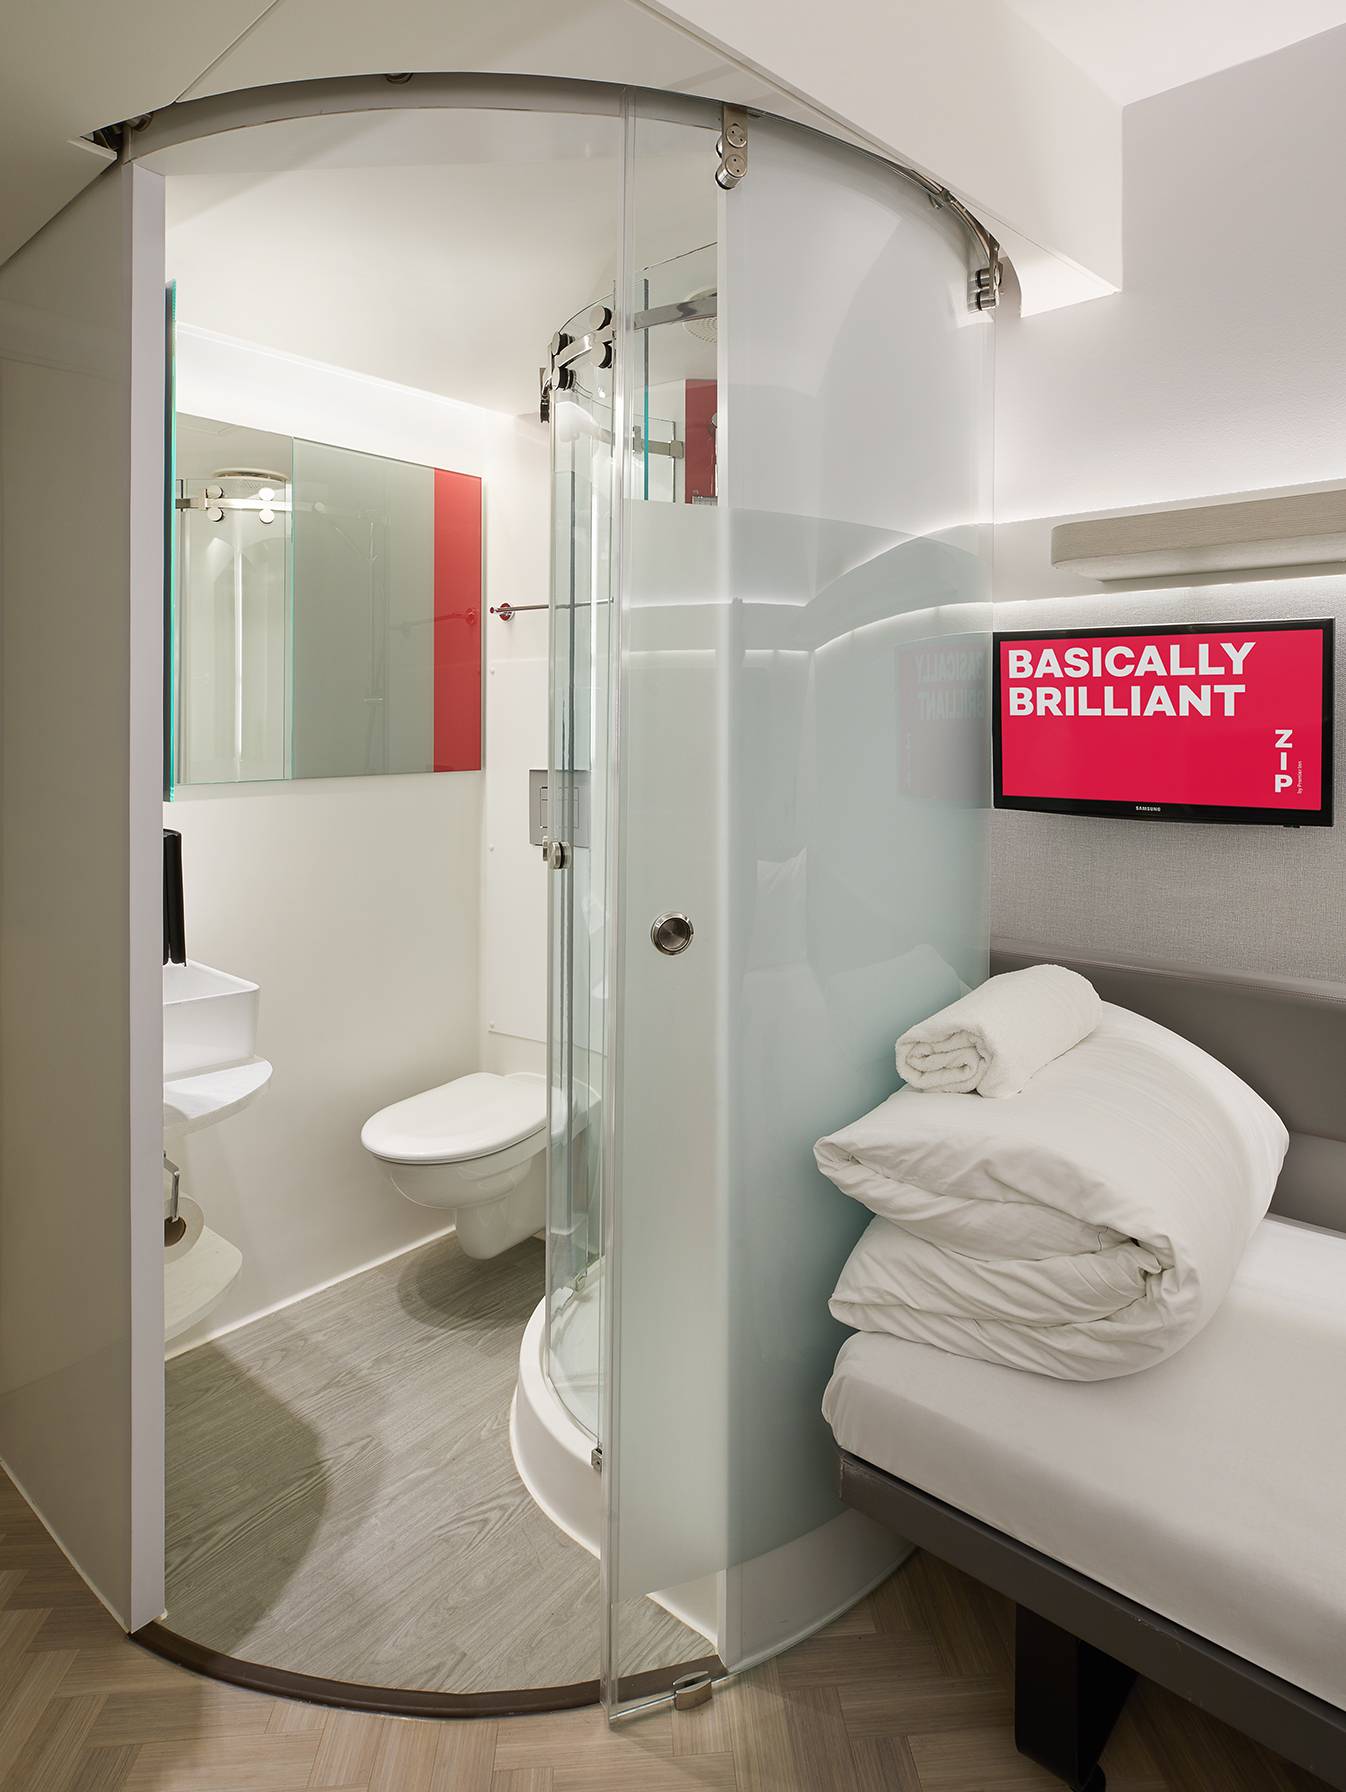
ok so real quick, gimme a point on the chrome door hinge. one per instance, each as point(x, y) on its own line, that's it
point(596, 1459)
point(986, 285)
point(691, 1690)
point(597, 343)
point(732, 147)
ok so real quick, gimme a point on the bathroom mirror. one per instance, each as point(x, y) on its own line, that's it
point(326, 611)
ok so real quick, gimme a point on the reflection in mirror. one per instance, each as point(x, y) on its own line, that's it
point(231, 622)
point(674, 435)
point(327, 615)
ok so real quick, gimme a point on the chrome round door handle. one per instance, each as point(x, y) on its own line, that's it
point(672, 933)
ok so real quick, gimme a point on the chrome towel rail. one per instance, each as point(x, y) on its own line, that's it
point(506, 610)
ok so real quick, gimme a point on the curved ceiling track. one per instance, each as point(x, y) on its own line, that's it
point(189, 121)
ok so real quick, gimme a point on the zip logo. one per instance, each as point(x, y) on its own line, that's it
point(1283, 777)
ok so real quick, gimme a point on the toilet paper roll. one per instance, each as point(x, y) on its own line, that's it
point(196, 1220)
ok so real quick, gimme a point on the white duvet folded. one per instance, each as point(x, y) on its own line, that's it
point(1086, 1229)
point(996, 1037)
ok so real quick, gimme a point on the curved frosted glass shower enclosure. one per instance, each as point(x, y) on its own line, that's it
point(769, 714)
point(766, 671)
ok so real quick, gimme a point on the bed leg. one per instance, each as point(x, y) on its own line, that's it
point(1067, 1697)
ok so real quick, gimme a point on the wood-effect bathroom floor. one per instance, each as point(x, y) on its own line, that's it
point(909, 1692)
point(342, 1500)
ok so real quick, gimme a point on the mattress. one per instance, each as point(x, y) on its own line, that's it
point(1210, 1488)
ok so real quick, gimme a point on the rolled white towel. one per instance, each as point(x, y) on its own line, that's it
point(993, 1040)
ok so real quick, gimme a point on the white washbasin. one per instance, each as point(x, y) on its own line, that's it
point(210, 1019)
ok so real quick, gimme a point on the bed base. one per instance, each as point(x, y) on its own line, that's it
point(1079, 1646)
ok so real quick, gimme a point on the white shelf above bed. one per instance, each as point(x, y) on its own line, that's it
point(1284, 530)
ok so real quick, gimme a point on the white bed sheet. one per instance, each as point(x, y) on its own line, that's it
point(1210, 1488)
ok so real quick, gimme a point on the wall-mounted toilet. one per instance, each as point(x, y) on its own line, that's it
point(468, 1146)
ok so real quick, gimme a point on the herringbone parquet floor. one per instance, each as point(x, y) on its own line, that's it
point(907, 1693)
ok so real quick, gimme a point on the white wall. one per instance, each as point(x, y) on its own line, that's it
point(81, 1229)
point(514, 878)
point(357, 903)
point(1222, 366)
point(353, 903)
point(1220, 369)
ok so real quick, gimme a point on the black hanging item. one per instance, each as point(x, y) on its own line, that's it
point(175, 924)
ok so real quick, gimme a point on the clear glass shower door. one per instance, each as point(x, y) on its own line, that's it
point(802, 774)
point(582, 473)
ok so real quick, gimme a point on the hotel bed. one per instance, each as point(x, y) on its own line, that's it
point(1187, 1522)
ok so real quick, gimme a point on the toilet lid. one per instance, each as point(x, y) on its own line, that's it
point(469, 1117)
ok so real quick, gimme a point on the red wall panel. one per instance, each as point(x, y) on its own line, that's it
point(458, 632)
point(698, 467)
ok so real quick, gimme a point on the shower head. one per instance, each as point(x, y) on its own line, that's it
point(271, 495)
point(705, 329)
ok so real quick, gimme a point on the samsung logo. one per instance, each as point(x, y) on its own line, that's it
point(1149, 808)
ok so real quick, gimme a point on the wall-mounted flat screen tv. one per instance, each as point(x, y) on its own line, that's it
point(1196, 722)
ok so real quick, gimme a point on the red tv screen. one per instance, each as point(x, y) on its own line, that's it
point(1189, 723)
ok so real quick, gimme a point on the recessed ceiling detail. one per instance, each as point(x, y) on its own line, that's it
point(1147, 46)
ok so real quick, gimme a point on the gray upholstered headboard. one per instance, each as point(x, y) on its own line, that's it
point(1284, 1037)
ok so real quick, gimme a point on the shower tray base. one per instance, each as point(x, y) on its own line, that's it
point(554, 1456)
point(805, 1584)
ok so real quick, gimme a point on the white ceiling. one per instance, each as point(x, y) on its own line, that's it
point(68, 67)
point(437, 249)
point(1134, 48)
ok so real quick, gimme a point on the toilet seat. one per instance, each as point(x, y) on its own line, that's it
point(470, 1117)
